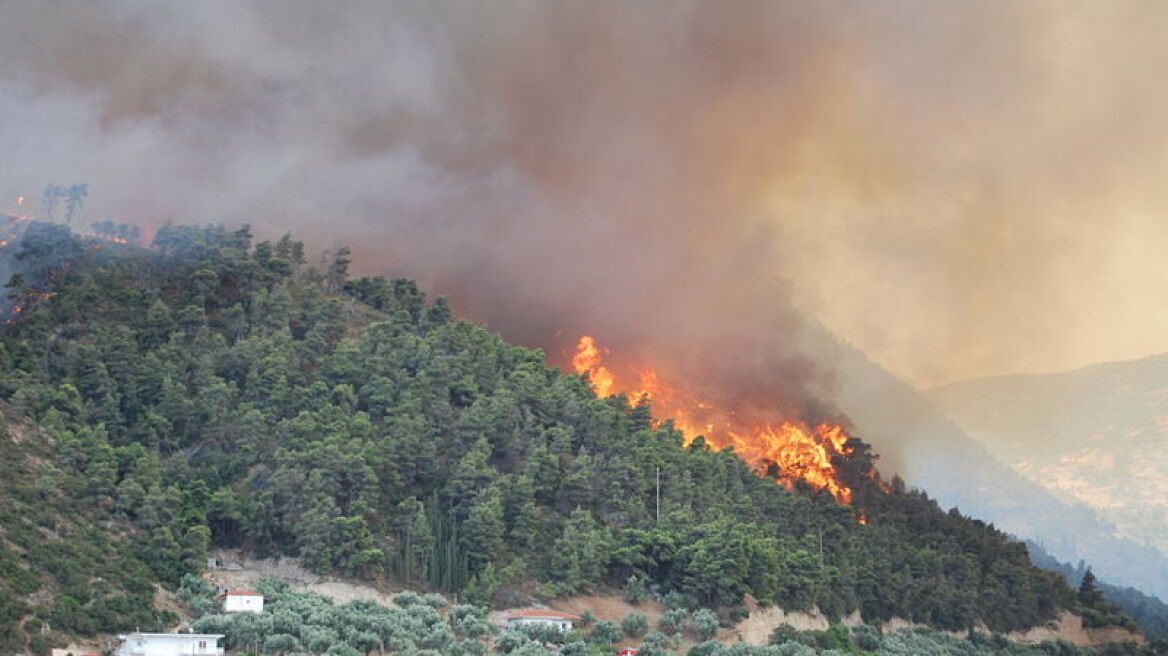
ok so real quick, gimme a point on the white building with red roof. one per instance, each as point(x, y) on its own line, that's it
point(242, 601)
point(546, 616)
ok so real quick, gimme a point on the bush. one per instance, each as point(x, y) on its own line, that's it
point(835, 637)
point(660, 641)
point(577, 648)
point(707, 648)
point(604, 633)
point(281, 642)
point(472, 627)
point(783, 634)
point(675, 599)
point(635, 590)
point(704, 623)
point(673, 620)
point(635, 625)
point(509, 640)
point(800, 649)
point(542, 633)
point(407, 599)
point(867, 637)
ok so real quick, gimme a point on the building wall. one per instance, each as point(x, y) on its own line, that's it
point(563, 625)
point(176, 644)
point(243, 604)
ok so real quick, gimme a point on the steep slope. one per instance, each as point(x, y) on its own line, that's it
point(68, 566)
point(1095, 435)
point(931, 451)
point(263, 404)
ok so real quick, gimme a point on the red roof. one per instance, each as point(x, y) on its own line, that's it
point(245, 593)
point(542, 613)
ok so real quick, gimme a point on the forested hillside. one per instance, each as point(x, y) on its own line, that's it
point(64, 566)
point(213, 390)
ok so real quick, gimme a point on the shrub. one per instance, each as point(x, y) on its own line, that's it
point(673, 620)
point(635, 625)
point(675, 599)
point(704, 623)
point(635, 590)
point(867, 637)
point(604, 633)
point(707, 648)
point(407, 599)
point(784, 634)
point(434, 600)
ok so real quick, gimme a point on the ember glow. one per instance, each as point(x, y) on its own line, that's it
point(789, 449)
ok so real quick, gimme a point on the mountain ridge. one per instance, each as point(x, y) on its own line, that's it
point(917, 438)
point(1091, 435)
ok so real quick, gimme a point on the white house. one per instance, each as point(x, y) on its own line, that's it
point(170, 644)
point(554, 618)
point(243, 601)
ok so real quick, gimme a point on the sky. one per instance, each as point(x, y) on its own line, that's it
point(958, 189)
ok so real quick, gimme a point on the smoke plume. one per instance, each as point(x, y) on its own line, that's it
point(957, 189)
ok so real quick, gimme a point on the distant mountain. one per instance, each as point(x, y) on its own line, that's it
point(1095, 435)
point(916, 439)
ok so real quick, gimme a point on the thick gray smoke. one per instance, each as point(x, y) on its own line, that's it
point(957, 190)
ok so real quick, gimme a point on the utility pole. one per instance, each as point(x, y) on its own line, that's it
point(821, 553)
point(658, 495)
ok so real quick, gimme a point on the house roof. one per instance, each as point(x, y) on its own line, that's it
point(542, 614)
point(243, 593)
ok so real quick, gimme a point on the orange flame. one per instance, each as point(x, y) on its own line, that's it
point(795, 450)
point(587, 359)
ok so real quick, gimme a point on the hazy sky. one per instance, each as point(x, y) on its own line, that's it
point(959, 189)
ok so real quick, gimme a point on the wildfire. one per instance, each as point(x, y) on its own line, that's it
point(792, 450)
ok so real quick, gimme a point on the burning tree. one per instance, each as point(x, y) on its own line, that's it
point(792, 451)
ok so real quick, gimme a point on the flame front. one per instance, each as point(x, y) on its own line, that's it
point(795, 450)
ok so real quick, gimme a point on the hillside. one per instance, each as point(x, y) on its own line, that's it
point(74, 568)
point(1093, 435)
point(916, 437)
point(213, 391)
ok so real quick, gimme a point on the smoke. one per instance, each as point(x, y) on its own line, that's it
point(958, 190)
